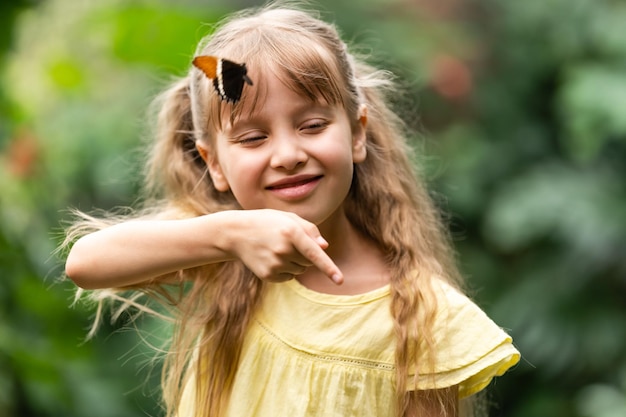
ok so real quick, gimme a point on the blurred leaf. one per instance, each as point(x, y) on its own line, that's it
point(605, 28)
point(602, 401)
point(460, 169)
point(162, 36)
point(593, 108)
point(67, 74)
point(580, 208)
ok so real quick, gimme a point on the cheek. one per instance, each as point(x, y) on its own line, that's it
point(243, 174)
point(339, 159)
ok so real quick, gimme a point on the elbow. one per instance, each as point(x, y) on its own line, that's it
point(77, 269)
point(73, 272)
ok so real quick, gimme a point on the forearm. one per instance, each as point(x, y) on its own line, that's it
point(138, 251)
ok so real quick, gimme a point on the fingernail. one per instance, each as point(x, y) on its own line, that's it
point(320, 240)
point(337, 279)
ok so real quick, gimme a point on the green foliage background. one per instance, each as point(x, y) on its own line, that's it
point(521, 108)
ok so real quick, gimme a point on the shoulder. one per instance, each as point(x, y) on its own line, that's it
point(470, 348)
point(454, 308)
point(462, 329)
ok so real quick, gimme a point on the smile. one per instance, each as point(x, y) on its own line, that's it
point(294, 187)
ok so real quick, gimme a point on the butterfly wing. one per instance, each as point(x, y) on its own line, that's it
point(228, 76)
point(231, 79)
point(207, 64)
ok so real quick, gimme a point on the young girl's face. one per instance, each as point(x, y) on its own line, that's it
point(289, 154)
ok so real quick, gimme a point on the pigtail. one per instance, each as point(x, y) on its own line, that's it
point(175, 171)
point(396, 211)
point(225, 323)
point(212, 323)
point(214, 313)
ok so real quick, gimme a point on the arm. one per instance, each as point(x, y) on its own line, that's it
point(275, 245)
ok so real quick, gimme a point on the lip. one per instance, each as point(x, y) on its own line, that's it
point(295, 187)
point(294, 181)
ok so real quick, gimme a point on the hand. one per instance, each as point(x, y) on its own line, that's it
point(277, 246)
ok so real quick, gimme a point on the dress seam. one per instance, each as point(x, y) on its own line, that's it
point(327, 358)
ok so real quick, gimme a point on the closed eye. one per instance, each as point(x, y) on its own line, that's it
point(249, 140)
point(314, 126)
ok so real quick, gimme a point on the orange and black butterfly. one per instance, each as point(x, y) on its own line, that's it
point(228, 76)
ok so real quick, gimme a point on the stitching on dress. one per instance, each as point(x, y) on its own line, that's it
point(328, 358)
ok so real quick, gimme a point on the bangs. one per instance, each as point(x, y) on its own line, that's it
point(304, 66)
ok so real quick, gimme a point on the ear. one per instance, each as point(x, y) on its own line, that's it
point(214, 167)
point(359, 136)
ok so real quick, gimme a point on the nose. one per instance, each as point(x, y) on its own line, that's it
point(287, 152)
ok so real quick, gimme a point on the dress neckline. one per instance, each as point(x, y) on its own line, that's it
point(337, 299)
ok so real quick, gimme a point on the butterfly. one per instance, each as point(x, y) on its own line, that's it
point(228, 76)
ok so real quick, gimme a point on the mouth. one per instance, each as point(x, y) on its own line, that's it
point(295, 188)
point(293, 182)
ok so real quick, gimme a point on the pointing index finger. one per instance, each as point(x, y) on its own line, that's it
point(313, 250)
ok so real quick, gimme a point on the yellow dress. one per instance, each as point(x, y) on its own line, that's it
point(312, 354)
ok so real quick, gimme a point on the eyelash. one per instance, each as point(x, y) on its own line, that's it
point(250, 140)
point(314, 126)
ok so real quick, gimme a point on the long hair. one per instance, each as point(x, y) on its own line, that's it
point(388, 202)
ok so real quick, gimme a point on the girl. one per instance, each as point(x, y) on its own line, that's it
point(313, 275)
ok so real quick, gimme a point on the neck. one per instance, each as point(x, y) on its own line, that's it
point(359, 259)
point(341, 237)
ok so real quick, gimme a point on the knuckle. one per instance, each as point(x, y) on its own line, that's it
point(282, 250)
point(287, 231)
point(312, 254)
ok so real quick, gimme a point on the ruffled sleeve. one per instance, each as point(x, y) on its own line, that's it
point(470, 348)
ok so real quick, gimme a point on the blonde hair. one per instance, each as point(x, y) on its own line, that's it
point(387, 201)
